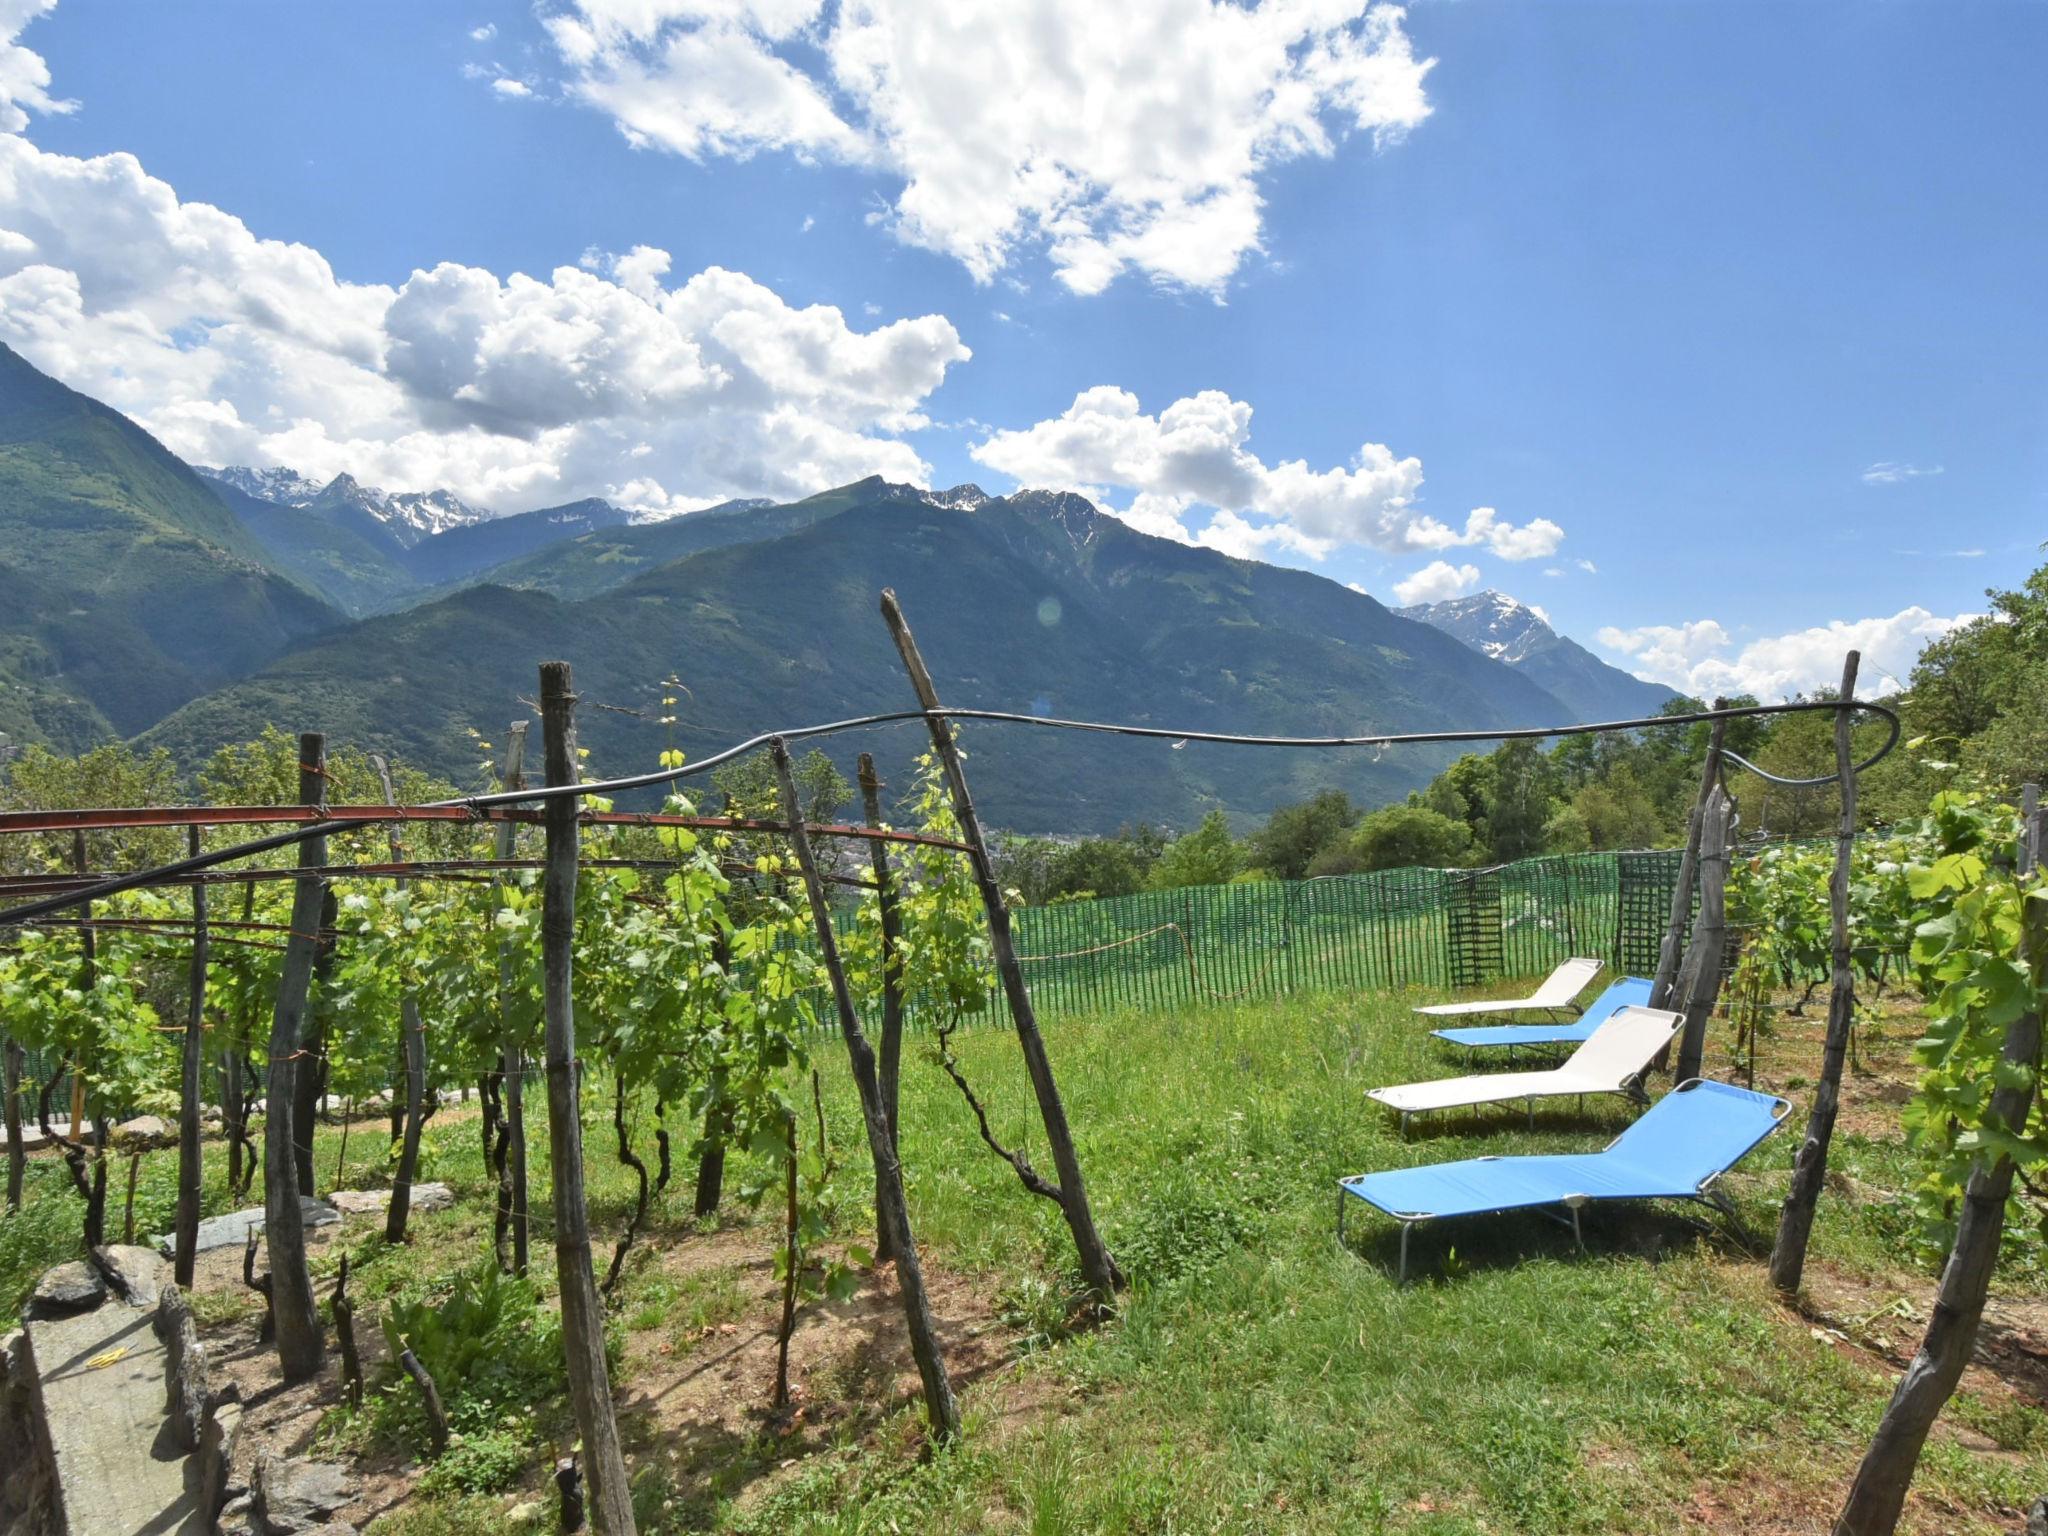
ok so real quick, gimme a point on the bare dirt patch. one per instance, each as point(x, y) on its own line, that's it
point(694, 1387)
point(697, 1387)
point(1886, 1316)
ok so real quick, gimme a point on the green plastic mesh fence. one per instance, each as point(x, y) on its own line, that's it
point(1391, 929)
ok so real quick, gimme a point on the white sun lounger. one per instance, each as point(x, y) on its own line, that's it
point(1559, 988)
point(1612, 1060)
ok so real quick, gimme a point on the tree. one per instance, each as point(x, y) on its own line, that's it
point(1292, 837)
point(1618, 813)
point(1401, 835)
point(1566, 830)
point(115, 774)
point(1516, 811)
point(1100, 866)
point(1209, 855)
point(821, 788)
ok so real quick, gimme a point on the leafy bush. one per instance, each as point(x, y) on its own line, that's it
point(479, 1463)
point(489, 1346)
point(1181, 1230)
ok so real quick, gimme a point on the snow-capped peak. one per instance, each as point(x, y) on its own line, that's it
point(411, 515)
point(286, 487)
point(425, 512)
point(1490, 622)
point(961, 498)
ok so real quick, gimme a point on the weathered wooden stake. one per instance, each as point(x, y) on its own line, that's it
point(512, 1176)
point(891, 1059)
point(344, 1312)
point(10, 1101)
point(1699, 984)
point(300, 1349)
point(940, 1409)
point(792, 1261)
point(590, 1390)
point(430, 1399)
point(1879, 1491)
point(309, 1076)
point(412, 1046)
point(1098, 1268)
point(1810, 1166)
point(261, 1285)
point(89, 942)
point(1688, 867)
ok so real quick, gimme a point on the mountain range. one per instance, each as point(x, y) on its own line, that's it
point(1518, 635)
point(143, 599)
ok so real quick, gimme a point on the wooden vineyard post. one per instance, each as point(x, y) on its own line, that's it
point(412, 1044)
point(512, 1179)
point(1699, 983)
point(1098, 1268)
point(1688, 867)
point(1879, 1491)
point(10, 1101)
point(309, 1081)
point(590, 1390)
point(89, 943)
point(192, 1061)
point(300, 1348)
point(892, 983)
point(1810, 1166)
point(939, 1406)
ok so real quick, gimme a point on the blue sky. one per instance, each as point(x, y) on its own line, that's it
point(1740, 307)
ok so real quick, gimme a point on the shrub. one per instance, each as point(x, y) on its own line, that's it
point(489, 1346)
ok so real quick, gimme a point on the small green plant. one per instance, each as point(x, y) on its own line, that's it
point(489, 1346)
point(480, 1463)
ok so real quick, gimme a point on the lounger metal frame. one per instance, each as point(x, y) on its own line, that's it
point(1708, 1193)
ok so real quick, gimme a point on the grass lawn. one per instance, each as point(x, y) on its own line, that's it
point(1261, 1377)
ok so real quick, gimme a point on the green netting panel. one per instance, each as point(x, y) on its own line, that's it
point(1473, 920)
point(1643, 907)
point(1393, 929)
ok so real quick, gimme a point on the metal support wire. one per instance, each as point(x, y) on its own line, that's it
point(481, 804)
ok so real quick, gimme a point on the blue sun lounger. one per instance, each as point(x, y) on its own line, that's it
point(1677, 1151)
point(1629, 992)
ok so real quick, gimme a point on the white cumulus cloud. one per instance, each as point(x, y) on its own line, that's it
point(1126, 137)
point(24, 77)
point(1194, 455)
point(1699, 657)
point(1435, 582)
point(513, 391)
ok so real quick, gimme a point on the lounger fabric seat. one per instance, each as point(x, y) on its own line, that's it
point(1555, 995)
point(1611, 1060)
point(1686, 1141)
point(1628, 992)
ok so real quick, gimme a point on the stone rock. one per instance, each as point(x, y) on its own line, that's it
point(73, 1287)
point(1855, 1191)
point(185, 1382)
point(529, 1513)
point(24, 1484)
point(217, 1456)
point(363, 1202)
point(2037, 1519)
point(291, 1497)
point(232, 1230)
point(144, 1131)
point(135, 1274)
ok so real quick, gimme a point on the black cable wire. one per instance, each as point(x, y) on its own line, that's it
point(607, 787)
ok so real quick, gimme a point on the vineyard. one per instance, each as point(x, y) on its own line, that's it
point(612, 1036)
